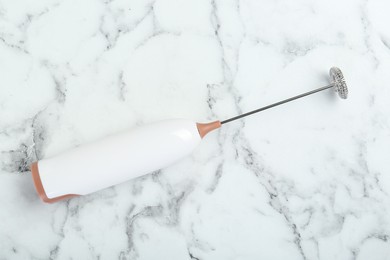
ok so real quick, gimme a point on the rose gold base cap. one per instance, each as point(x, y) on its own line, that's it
point(39, 187)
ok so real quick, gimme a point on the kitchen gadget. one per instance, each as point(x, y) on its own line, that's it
point(131, 154)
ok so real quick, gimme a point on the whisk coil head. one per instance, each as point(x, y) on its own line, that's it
point(338, 82)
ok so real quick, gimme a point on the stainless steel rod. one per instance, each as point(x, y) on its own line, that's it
point(277, 104)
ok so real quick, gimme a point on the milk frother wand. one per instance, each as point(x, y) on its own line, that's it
point(131, 154)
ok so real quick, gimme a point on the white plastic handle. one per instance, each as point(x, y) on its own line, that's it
point(115, 159)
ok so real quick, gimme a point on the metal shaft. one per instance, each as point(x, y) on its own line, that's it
point(277, 104)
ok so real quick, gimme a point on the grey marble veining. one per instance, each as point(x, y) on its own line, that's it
point(307, 180)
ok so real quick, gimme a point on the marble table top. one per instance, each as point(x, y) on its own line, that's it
point(306, 180)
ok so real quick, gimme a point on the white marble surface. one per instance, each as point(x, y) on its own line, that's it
point(309, 180)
